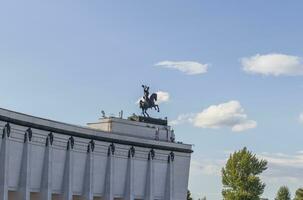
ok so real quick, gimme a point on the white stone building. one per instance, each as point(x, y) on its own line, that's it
point(112, 159)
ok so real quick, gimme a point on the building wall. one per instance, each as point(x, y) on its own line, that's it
point(73, 172)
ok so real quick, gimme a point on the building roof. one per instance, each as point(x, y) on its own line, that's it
point(86, 132)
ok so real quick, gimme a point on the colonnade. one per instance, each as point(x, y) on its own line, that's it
point(46, 188)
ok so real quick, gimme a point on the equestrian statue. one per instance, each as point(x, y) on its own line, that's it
point(148, 101)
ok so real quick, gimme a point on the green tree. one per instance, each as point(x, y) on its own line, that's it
point(299, 194)
point(240, 176)
point(189, 195)
point(283, 194)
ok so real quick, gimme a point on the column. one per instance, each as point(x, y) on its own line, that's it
point(24, 184)
point(46, 185)
point(68, 171)
point(4, 159)
point(109, 182)
point(169, 190)
point(149, 195)
point(89, 173)
point(129, 184)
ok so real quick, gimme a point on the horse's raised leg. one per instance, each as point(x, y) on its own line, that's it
point(146, 113)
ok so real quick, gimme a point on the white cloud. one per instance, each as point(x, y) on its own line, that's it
point(301, 118)
point(188, 67)
point(273, 64)
point(286, 160)
point(183, 118)
point(281, 167)
point(248, 124)
point(284, 166)
point(161, 95)
point(230, 114)
point(206, 167)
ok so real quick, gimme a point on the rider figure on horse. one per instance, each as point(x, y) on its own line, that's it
point(146, 92)
point(148, 101)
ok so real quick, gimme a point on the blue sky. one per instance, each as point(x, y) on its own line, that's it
point(68, 60)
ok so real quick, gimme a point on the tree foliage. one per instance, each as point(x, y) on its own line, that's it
point(299, 194)
point(240, 176)
point(189, 195)
point(283, 194)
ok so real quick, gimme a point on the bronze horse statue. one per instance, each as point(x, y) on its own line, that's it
point(148, 102)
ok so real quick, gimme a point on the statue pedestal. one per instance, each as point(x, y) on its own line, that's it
point(136, 126)
point(150, 120)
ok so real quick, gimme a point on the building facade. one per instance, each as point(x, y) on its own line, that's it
point(112, 159)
